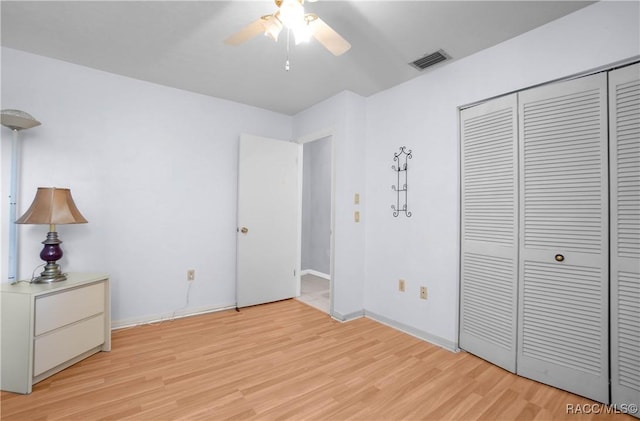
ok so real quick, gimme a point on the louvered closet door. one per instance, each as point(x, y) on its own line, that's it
point(489, 231)
point(564, 295)
point(624, 155)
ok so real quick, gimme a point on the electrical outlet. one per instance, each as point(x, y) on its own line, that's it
point(401, 285)
point(356, 199)
point(191, 275)
point(423, 293)
point(356, 216)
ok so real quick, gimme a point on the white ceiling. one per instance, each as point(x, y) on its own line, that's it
point(180, 43)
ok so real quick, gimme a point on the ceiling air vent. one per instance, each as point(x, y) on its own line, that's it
point(429, 60)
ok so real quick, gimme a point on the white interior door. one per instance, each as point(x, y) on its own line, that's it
point(268, 220)
point(564, 256)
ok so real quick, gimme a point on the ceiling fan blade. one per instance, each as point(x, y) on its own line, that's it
point(245, 34)
point(330, 39)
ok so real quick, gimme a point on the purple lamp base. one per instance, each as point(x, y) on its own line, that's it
point(51, 253)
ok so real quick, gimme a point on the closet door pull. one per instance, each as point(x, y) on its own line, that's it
point(559, 258)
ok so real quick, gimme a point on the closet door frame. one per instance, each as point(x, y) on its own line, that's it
point(621, 336)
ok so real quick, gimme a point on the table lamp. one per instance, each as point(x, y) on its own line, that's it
point(52, 206)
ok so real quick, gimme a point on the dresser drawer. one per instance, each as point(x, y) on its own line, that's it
point(57, 310)
point(57, 347)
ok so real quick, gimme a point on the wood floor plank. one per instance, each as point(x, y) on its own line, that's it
point(284, 361)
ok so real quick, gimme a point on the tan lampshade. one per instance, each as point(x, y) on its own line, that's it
point(52, 206)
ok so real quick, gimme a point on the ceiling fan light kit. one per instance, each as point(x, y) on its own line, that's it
point(291, 15)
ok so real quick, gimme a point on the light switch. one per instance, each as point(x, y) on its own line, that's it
point(356, 216)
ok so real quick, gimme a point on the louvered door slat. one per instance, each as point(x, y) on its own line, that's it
point(563, 311)
point(489, 231)
point(624, 155)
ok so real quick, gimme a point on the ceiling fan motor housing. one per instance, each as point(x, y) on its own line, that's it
point(279, 2)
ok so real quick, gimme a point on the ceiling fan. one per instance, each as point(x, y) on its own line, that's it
point(291, 15)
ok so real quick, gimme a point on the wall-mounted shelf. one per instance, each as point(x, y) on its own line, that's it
point(402, 170)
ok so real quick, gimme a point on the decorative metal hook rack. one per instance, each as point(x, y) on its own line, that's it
point(401, 182)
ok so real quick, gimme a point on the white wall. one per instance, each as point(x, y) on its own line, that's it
point(423, 115)
point(343, 117)
point(152, 168)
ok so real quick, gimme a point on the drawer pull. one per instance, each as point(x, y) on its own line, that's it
point(559, 258)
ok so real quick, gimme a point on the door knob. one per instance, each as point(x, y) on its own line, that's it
point(559, 258)
point(244, 230)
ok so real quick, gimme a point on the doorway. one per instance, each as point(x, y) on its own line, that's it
point(317, 220)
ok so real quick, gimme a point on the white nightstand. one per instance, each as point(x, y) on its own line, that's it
point(48, 327)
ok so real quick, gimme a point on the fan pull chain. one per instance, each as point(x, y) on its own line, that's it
point(286, 63)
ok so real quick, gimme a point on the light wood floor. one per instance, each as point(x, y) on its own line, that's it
point(285, 360)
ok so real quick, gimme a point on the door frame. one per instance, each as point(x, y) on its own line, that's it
point(311, 137)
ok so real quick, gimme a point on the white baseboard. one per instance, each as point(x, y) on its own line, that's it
point(347, 317)
point(420, 334)
point(315, 273)
point(178, 314)
point(159, 318)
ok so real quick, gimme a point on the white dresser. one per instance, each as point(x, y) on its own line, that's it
point(48, 327)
